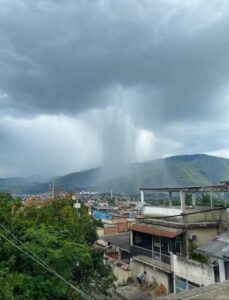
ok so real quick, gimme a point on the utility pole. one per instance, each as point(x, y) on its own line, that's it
point(53, 190)
point(76, 204)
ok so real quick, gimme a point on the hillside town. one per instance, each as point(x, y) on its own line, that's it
point(178, 244)
point(114, 150)
point(181, 248)
point(160, 248)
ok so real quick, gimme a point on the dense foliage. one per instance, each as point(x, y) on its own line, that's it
point(62, 237)
point(196, 256)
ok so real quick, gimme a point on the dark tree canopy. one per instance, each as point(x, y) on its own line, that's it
point(59, 235)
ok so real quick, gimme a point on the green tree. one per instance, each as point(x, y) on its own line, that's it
point(204, 200)
point(60, 236)
point(196, 256)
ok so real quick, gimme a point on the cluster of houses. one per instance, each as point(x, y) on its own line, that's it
point(180, 247)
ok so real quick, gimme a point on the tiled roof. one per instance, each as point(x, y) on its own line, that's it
point(157, 230)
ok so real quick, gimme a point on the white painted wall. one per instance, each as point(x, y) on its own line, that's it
point(222, 275)
point(152, 274)
point(100, 232)
point(196, 272)
point(150, 211)
point(121, 274)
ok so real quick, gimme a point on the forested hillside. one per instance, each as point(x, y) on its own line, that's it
point(185, 170)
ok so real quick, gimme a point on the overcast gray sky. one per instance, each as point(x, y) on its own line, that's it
point(88, 82)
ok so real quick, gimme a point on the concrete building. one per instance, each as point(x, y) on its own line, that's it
point(118, 255)
point(216, 291)
point(189, 274)
point(218, 250)
point(118, 244)
point(161, 240)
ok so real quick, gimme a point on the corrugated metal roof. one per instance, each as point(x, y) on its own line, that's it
point(157, 230)
point(120, 240)
point(219, 247)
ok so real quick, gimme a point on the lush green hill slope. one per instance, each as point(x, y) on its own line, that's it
point(185, 170)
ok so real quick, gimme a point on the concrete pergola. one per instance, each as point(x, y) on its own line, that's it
point(211, 189)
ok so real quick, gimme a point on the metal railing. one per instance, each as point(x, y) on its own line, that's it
point(136, 250)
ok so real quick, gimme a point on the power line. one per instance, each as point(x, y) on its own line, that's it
point(23, 245)
point(48, 268)
point(41, 262)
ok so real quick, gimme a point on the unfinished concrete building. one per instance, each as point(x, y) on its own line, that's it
point(162, 240)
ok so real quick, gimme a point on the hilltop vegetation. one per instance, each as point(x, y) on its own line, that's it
point(58, 235)
point(185, 170)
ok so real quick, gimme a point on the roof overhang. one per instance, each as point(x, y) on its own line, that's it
point(157, 230)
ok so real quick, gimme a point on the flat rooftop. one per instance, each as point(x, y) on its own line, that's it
point(120, 240)
point(211, 188)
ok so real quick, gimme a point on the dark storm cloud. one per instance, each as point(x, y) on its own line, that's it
point(120, 67)
point(64, 57)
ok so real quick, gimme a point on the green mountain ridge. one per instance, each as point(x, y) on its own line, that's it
point(175, 171)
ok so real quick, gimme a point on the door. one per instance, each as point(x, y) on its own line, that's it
point(157, 247)
point(165, 257)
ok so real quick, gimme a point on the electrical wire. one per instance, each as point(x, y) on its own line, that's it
point(24, 246)
point(41, 262)
point(47, 267)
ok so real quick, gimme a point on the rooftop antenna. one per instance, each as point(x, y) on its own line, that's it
point(111, 194)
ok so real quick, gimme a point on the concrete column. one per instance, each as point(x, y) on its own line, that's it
point(174, 283)
point(211, 199)
point(194, 199)
point(142, 197)
point(182, 201)
point(131, 238)
point(119, 254)
point(222, 276)
point(224, 199)
point(170, 199)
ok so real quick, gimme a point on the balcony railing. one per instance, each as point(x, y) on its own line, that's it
point(135, 250)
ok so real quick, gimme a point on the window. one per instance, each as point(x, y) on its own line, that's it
point(137, 238)
point(183, 284)
point(178, 245)
point(157, 249)
point(157, 239)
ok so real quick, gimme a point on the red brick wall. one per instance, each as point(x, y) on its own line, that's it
point(110, 230)
point(122, 227)
point(119, 227)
